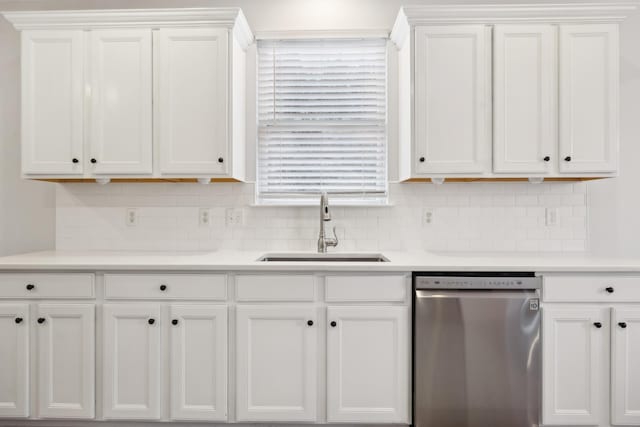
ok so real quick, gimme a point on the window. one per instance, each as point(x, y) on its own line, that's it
point(322, 121)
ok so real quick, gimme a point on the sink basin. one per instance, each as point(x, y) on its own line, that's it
point(323, 258)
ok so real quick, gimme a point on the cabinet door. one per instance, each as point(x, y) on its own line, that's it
point(625, 382)
point(66, 357)
point(368, 364)
point(14, 357)
point(52, 101)
point(589, 86)
point(191, 73)
point(198, 362)
point(276, 363)
point(525, 101)
point(575, 364)
point(452, 99)
point(121, 90)
point(131, 361)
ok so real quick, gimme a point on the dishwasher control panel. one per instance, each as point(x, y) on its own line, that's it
point(424, 281)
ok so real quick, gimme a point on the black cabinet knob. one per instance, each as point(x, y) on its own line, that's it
point(31, 287)
point(310, 322)
point(94, 161)
point(609, 289)
point(151, 321)
point(546, 158)
point(333, 324)
point(597, 325)
point(567, 159)
point(75, 160)
point(41, 320)
point(174, 322)
point(163, 287)
point(18, 320)
point(220, 160)
point(623, 325)
point(421, 159)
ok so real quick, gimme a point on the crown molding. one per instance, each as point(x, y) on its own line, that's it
point(551, 13)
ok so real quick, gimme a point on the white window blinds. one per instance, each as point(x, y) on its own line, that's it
point(322, 119)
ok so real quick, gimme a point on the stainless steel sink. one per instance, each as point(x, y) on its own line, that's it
point(323, 258)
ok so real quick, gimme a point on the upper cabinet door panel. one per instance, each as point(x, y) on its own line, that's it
point(121, 102)
point(589, 63)
point(525, 101)
point(625, 381)
point(66, 360)
point(14, 357)
point(452, 99)
point(52, 102)
point(192, 67)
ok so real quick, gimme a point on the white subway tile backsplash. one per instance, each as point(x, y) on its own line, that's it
point(478, 217)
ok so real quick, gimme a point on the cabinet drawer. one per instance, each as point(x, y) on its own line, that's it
point(591, 288)
point(47, 285)
point(165, 286)
point(275, 288)
point(366, 288)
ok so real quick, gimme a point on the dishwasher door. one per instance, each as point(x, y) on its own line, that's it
point(477, 358)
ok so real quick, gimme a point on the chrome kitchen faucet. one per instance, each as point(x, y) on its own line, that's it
point(325, 216)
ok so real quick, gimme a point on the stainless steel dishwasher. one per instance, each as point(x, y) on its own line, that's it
point(476, 350)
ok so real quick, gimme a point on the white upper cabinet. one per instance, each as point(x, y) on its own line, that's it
point(52, 102)
point(131, 361)
point(121, 88)
point(14, 357)
point(191, 70)
point(575, 364)
point(452, 98)
point(368, 364)
point(157, 93)
point(524, 99)
point(589, 86)
point(276, 362)
point(66, 347)
point(198, 351)
point(625, 381)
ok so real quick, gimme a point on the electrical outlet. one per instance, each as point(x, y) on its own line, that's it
point(551, 217)
point(427, 216)
point(131, 218)
point(234, 217)
point(204, 217)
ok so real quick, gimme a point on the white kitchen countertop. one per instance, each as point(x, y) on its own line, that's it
point(247, 261)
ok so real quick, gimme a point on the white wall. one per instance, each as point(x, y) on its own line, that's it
point(27, 209)
point(610, 205)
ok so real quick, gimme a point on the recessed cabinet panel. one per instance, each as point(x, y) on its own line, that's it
point(121, 102)
point(368, 364)
point(575, 364)
point(66, 360)
point(131, 361)
point(198, 362)
point(625, 381)
point(14, 360)
point(525, 101)
point(452, 98)
point(589, 86)
point(276, 363)
point(52, 101)
point(192, 67)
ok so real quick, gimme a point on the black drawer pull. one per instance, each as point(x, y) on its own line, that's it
point(31, 287)
point(18, 320)
point(623, 325)
point(151, 321)
point(174, 322)
point(597, 325)
point(41, 320)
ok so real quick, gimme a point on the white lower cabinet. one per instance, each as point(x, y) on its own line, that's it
point(625, 380)
point(368, 364)
point(198, 362)
point(66, 360)
point(14, 360)
point(131, 361)
point(575, 364)
point(276, 357)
